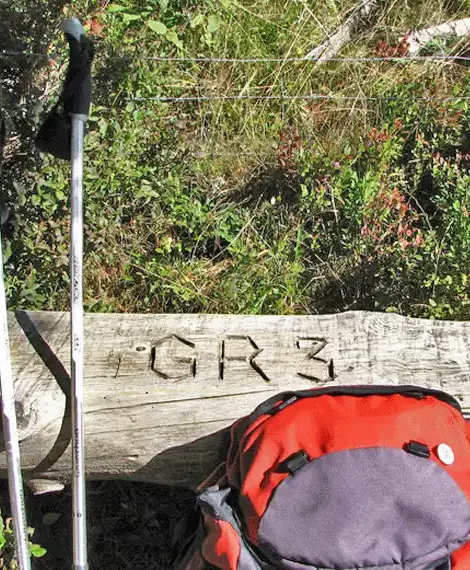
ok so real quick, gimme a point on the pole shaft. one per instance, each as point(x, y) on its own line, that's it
point(80, 561)
point(10, 432)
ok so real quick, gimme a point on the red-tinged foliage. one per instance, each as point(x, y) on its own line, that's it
point(400, 49)
point(389, 221)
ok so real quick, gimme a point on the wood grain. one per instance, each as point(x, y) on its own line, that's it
point(160, 390)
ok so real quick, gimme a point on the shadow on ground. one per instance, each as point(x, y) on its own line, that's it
point(128, 524)
point(272, 181)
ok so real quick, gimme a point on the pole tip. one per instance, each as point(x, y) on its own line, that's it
point(73, 27)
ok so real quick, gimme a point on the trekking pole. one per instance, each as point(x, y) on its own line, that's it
point(74, 32)
point(62, 135)
point(10, 433)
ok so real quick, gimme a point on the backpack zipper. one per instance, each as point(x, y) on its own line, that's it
point(280, 401)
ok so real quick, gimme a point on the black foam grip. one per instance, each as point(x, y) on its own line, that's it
point(54, 136)
point(76, 94)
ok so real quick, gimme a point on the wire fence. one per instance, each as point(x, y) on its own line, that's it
point(272, 96)
point(366, 59)
point(307, 97)
point(277, 92)
point(288, 60)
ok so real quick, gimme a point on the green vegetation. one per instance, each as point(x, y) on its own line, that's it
point(356, 201)
point(8, 558)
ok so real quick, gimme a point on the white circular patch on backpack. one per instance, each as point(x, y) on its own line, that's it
point(445, 453)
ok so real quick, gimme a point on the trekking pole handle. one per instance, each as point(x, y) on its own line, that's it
point(79, 72)
point(72, 27)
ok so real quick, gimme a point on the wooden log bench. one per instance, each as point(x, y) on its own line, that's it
point(161, 390)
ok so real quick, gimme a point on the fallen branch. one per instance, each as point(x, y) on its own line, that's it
point(418, 39)
point(329, 48)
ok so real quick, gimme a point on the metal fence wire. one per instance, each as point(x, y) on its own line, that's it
point(201, 94)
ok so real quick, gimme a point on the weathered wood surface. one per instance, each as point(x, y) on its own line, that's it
point(419, 38)
point(161, 389)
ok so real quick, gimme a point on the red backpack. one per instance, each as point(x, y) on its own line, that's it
point(338, 478)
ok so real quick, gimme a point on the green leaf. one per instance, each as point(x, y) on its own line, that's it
point(157, 27)
point(196, 21)
point(113, 8)
point(126, 18)
point(213, 24)
point(3, 539)
point(172, 37)
point(36, 550)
